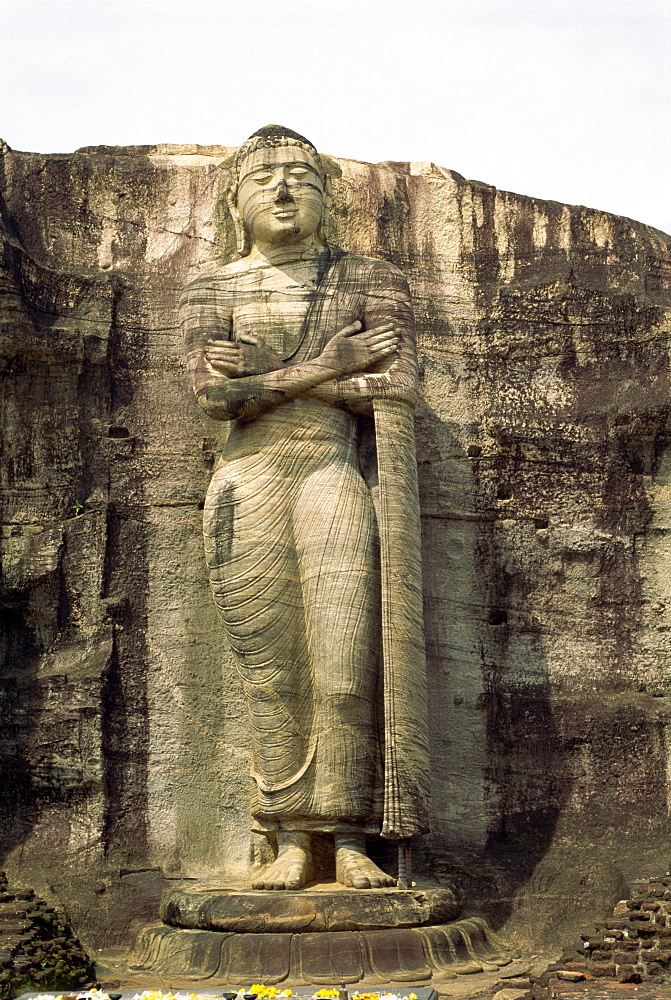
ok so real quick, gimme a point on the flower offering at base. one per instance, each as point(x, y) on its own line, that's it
point(258, 991)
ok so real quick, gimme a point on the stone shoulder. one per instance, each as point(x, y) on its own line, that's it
point(375, 267)
point(210, 274)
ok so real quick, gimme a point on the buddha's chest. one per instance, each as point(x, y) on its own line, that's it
point(279, 320)
point(275, 308)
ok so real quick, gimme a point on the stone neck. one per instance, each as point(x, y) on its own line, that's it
point(307, 252)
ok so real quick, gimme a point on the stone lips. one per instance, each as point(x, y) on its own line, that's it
point(256, 911)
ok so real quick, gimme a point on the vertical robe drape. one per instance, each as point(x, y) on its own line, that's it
point(292, 547)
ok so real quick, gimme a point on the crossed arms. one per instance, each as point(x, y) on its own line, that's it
point(371, 357)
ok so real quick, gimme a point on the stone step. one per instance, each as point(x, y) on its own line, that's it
point(338, 909)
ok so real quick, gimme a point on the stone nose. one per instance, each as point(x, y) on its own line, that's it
point(283, 193)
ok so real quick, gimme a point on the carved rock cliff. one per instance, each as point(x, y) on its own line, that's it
point(544, 468)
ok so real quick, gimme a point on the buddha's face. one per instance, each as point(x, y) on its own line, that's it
point(280, 195)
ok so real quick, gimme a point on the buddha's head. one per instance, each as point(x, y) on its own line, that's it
point(278, 189)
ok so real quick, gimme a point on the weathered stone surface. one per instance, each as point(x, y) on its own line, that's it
point(41, 949)
point(543, 447)
point(570, 976)
point(399, 955)
point(632, 957)
point(308, 910)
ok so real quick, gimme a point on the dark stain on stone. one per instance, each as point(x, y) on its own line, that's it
point(485, 250)
point(393, 229)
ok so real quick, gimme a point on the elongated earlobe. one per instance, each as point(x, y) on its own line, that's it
point(324, 227)
point(243, 240)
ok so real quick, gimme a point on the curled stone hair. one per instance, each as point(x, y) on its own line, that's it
point(273, 136)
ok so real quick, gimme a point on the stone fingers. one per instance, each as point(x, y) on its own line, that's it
point(347, 331)
point(381, 329)
point(224, 357)
point(221, 349)
point(382, 343)
point(225, 368)
point(385, 345)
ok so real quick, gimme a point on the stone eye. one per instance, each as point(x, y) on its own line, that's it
point(263, 178)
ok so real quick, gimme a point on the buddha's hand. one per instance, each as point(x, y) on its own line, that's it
point(246, 356)
point(355, 350)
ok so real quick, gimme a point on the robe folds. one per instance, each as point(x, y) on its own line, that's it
point(291, 540)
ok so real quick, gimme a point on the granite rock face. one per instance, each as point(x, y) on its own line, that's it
point(544, 471)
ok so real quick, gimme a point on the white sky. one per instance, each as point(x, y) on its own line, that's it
point(561, 99)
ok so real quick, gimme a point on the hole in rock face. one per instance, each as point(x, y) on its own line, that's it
point(118, 432)
point(474, 451)
point(541, 522)
point(503, 492)
point(498, 616)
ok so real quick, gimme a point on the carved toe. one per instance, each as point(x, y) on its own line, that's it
point(289, 871)
point(356, 870)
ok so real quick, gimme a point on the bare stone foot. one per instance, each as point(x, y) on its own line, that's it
point(291, 868)
point(353, 866)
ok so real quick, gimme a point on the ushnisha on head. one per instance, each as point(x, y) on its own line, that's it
point(279, 190)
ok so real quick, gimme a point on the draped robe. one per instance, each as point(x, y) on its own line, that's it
point(291, 538)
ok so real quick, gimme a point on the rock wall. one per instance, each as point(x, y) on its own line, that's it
point(544, 463)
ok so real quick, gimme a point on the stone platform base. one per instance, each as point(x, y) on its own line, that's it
point(396, 955)
point(319, 908)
